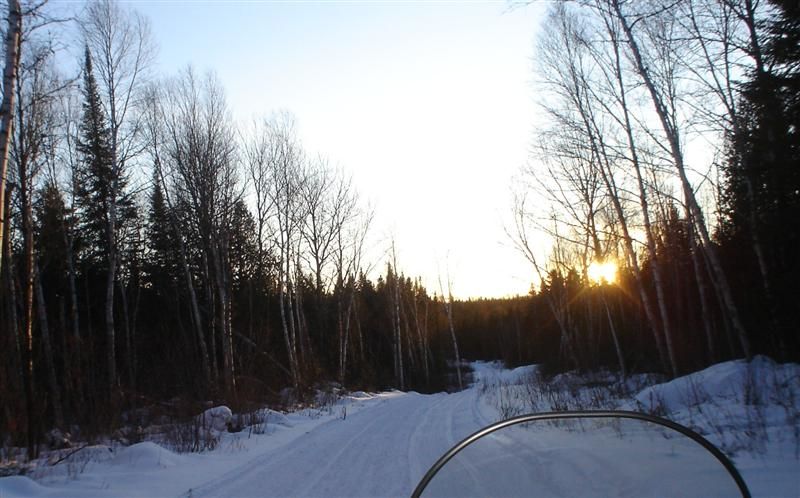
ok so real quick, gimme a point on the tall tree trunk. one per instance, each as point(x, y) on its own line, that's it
point(617, 345)
point(197, 322)
point(449, 309)
point(111, 357)
point(12, 52)
point(47, 346)
point(290, 349)
point(210, 302)
point(643, 202)
point(344, 329)
point(76, 355)
point(13, 320)
point(126, 324)
point(340, 326)
point(398, 340)
point(27, 292)
point(702, 290)
point(218, 256)
point(421, 337)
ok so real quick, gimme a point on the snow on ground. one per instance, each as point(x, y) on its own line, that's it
point(382, 444)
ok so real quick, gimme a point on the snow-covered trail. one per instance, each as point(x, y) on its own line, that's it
point(383, 450)
point(388, 440)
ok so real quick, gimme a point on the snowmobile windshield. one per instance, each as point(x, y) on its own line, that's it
point(584, 454)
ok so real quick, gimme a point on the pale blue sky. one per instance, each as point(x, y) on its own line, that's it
point(429, 105)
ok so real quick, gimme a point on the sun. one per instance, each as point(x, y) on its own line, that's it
point(602, 272)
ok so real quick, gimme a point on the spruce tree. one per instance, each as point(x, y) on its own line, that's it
point(96, 168)
point(761, 193)
point(162, 264)
point(106, 208)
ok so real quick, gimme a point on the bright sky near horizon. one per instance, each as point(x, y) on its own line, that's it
point(428, 105)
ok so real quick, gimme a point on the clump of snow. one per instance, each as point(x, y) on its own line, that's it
point(216, 418)
point(145, 456)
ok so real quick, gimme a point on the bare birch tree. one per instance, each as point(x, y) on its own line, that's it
point(286, 161)
point(201, 151)
point(655, 69)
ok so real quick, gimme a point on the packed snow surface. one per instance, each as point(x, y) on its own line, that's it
point(382, 444)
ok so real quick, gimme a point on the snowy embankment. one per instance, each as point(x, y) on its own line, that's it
point(381, 445)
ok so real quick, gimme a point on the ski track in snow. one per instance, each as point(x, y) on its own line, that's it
point(380, 451)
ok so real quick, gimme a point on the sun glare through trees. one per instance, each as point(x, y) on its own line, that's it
point(602, 272)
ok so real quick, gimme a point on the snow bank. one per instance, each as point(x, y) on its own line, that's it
point(732, 381)
point(145, 456)
point(21, 486)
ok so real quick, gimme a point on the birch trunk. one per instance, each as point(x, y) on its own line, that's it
point(12, 52)
point(643, 202)
point(224, 318)
point(111, 359)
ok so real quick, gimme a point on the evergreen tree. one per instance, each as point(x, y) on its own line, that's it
point(162, 262)
point(243, 245)
point(51, 221)
point(96, 169)
point(107, 210)
point(761, 194)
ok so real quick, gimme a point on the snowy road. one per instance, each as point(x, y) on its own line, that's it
point(387, 441)
point(383, 450)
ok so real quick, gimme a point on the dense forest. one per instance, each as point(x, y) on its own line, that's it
point(153, 249)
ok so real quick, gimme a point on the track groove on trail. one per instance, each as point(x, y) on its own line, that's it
point(381, 450)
